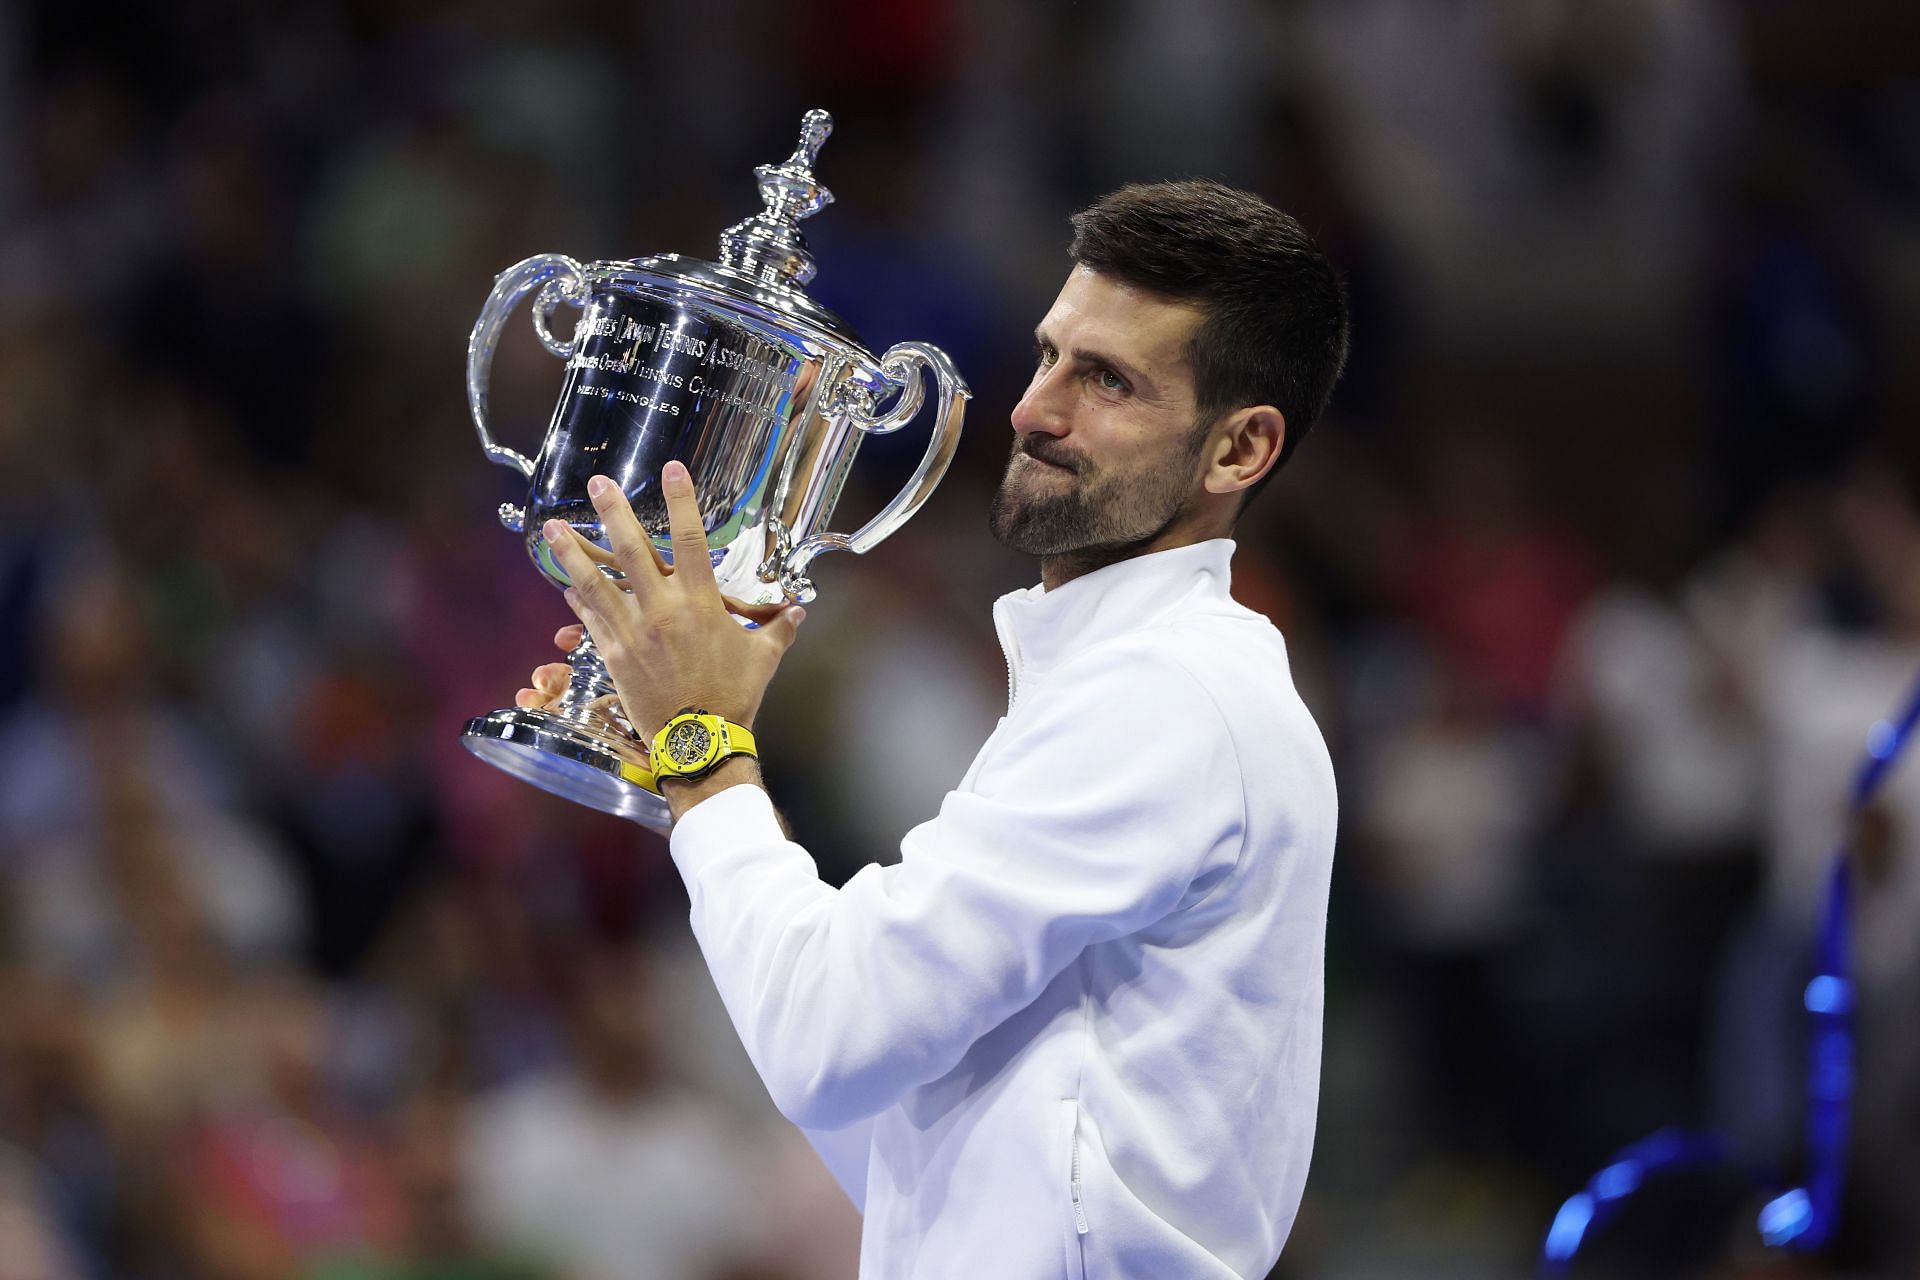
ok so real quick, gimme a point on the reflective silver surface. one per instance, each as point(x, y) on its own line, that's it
point(732, 369)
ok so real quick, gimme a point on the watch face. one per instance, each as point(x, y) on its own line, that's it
point(688, 743)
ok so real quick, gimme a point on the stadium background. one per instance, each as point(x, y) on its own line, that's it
point(1598, 571)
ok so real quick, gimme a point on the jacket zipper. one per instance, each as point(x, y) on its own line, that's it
point(1009, 650)
point(1073, 1185)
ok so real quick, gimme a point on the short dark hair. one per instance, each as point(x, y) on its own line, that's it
point(1273, 327)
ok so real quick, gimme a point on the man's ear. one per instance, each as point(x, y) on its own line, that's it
point(1245, 448)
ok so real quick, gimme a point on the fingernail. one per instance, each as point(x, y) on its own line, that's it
point(572, 597)
point(554, 530)
point(799, 615)
point(599, 487)
point(675, 473)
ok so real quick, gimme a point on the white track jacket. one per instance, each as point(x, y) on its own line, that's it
point(1075, 1030)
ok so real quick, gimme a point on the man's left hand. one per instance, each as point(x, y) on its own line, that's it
point(668, 637)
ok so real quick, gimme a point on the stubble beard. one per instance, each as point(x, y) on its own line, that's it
point(1085, 515)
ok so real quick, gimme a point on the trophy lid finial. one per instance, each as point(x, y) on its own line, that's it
point(815, 128)
point(769, 244)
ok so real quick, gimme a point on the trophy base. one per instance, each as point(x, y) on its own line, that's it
point(569, 759)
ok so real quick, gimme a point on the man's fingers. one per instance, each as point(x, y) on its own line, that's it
point(782, 629)
point(592, 592)
point(631, 546)
point(549, 682)
point(761, 613)
point(599, 554)
point(606, 566)
point(568, 637)
point(572, 553)
point(690, 554)
point(567, 548)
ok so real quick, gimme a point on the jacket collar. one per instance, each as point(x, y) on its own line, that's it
point(1038, 628)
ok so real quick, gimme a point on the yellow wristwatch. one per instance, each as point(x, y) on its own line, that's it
point(695, 743)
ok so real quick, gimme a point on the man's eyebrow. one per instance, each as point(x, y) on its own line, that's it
point(1087, 355)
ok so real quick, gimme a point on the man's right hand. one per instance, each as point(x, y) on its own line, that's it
point(550, 684)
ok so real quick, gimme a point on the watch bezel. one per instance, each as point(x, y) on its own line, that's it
point(714, 730)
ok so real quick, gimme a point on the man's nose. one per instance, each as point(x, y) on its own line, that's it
point(1043, 409)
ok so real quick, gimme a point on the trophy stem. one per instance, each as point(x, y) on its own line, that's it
point(590, 684)
point(582, 747)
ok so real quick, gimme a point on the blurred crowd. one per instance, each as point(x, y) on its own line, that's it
point(1597, 576)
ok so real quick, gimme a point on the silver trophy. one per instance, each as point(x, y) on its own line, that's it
point(730, 367)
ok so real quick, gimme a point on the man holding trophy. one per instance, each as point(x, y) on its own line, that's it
point(1075, 1030)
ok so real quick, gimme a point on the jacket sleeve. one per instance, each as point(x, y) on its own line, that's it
point(1095, 810)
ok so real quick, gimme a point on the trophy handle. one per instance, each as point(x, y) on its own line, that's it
point(559, 279)
point(902, 366)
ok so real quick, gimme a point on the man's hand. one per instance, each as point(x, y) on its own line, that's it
point(668, 637)
point(550, 681)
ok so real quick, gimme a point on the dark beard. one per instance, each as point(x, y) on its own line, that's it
point(1100, 518)
point(1043, 524)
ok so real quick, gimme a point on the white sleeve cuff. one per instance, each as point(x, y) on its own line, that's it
point(741, 815)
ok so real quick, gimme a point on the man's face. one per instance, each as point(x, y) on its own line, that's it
point(1107, 448)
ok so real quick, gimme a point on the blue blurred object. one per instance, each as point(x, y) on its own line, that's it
point(1607, 1191)
point(1803, 1218)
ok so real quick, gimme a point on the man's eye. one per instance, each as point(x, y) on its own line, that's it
point(1043, 355)
point(1111, 381)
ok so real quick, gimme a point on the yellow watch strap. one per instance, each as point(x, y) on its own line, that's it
point(640, 775)
point(739, 742)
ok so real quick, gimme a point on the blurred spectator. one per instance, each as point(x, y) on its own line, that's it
point(434, 1237)
point(1491, 582)
point(605, 1162)
point(1822, 672)
point(61, 1168)
point(31, 1245)
point(283, 1175)
point(1452, 793)
point(110, 803)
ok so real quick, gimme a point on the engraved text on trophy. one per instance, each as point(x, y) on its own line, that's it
point(649, 382)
